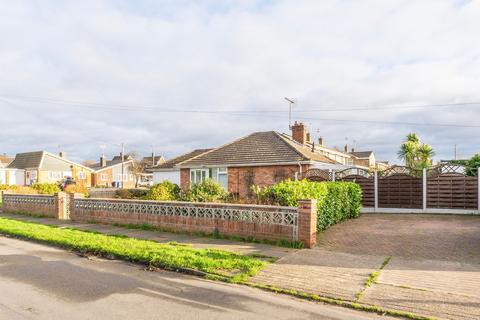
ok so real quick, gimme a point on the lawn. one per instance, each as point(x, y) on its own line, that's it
point(171, 256)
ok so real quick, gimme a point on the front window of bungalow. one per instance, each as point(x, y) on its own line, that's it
point(54, 175)
point(219, 175)
point(125, 177)
point(104, 177)
point(82, 175)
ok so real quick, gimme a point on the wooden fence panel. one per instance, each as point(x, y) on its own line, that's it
point(368, 188)
point(452, 191)
point(400, 191)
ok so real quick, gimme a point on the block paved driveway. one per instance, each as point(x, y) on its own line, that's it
point(434, 269)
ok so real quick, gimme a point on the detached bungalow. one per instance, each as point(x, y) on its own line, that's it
point(261, 158)
point(45, 167)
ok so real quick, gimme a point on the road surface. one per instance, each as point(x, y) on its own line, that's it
point(40, 282)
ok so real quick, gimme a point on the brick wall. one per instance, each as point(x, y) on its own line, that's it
point(240, 179)
point(33, 204)
point(259, 222)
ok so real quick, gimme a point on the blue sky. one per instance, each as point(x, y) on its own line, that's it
point(84, 76)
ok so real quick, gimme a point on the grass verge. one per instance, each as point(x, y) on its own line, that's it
point(170, 256)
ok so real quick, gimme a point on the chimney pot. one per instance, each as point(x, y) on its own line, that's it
point(299, 132)
point(346, 148)
point(308, 137)
point(320, 141)
point(103, 161)
point(62, 154)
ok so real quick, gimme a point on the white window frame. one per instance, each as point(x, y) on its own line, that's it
point(125, 177)
point(104, 177)
point(54, 175)
point(222, 171)
point(82, 175)
point(197, 173)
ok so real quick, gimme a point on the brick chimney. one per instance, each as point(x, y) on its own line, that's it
point(353, 149)
point(299, 132)
point(62, 154)
point(103, 161)
point(320, 141)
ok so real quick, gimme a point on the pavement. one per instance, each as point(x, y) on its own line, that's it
point(41, 282)
point(433, 267)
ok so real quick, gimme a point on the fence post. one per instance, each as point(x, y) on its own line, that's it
point(375, 187)
point(333, 174)
point(424, 189)
point(307, 222)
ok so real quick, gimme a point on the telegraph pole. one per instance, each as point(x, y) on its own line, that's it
point(123, 160)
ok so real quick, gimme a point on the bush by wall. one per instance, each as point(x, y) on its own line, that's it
point(165, 191)
point(77, 188)
point(46, 188)
point(206, 191)
point(337, 201)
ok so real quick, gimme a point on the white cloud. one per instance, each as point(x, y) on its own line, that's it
point(237, 55)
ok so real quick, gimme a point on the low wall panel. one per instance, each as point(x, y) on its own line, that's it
point(31, 204)
point(259, 222)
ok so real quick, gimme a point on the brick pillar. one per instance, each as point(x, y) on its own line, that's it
point(71, 198)
point(60, 205)
point(307, 222)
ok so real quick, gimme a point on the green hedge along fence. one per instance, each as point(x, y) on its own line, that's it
point(337, 201)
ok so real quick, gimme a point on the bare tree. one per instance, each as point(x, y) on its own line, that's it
point(137, 167)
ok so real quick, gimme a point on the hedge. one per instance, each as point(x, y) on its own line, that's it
point(337, 201)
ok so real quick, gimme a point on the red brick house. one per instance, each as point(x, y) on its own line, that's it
point(261, 158)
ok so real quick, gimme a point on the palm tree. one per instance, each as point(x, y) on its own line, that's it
point(407, 153)
point(424, 154)
point(415, 154)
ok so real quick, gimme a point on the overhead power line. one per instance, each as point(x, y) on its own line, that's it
point(246, 113)
point(312, 108)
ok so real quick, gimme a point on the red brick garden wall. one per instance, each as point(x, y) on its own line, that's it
point(31, 204)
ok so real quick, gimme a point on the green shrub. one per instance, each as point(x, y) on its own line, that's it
point(337, 201)
point(165, 191)
point(206, 191)
point(46, 188)
point(7, 187)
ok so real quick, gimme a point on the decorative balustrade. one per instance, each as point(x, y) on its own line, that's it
point(29, 199)
point(284, 216)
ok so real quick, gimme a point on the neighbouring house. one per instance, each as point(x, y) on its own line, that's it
point(5, 160)
point(45, 167)
point(363, 158)
point(153, 161)
point(169, 170)
point(113, 173)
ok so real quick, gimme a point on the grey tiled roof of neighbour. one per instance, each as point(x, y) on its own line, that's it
point(27, 160)
point(268, 147)
point(361, 154)
point(177, 160)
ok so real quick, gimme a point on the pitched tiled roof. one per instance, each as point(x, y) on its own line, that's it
point(361, 154)
point(257, 148)
point(148, 160)
point(5, 160)
point(177, 160)
point(27, 160)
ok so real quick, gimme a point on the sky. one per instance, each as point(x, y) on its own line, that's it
point(176, 75)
